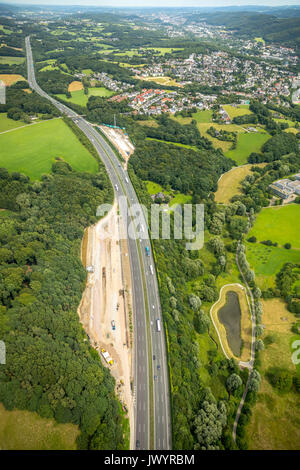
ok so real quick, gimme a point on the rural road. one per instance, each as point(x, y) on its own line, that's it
point(146, 303)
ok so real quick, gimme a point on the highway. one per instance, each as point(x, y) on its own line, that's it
point(150, 344)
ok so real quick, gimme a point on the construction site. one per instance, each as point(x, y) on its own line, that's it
point(106, 305)
point(120, 140)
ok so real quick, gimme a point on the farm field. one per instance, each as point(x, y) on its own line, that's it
point(75, 86)
point(167, 81)
point(274, 424)
point(24, 430)
point(285, 121)
point(49, 67)
point(5, 30)
point(267, 261)
point(10, 78)
point(229, 183)
point(225, 146)
point(280, 224)
point(233, 111)
point(247, 143)
point(79, 97)
point(32, 149)
point(148, 122)
point(164, 50)
point(12, 60)
point(6, 124)
point(200, 116)
point(293, 130)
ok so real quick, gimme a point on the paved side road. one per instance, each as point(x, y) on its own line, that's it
point(145, 296)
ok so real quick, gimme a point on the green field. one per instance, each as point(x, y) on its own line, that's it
point(274, 424)
point(6, 124)
point(24, 430)
point(178, 198)
point(280, 224)
point(164, 50)
point(32, 149)
point(233, 112)
point(177, 144)
point(5, 30)
point(247, 143)
point(12, 60)
point(268, 260)
point(78, 97)
point(199, 116)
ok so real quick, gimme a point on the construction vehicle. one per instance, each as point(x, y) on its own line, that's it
point(107, 357)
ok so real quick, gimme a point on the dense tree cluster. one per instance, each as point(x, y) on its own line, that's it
point(22, 105)
point(172, 131)
point(184, 170)
point(50, 366)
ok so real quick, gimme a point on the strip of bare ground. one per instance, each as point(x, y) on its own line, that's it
point(108, 297)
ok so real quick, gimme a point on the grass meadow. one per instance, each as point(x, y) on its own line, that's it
point(24, 430)
point(233, 111)
point(281, 225)
point(7, 124)
point(79, 97)
point(274, 424)
point(32, 149)
point(247, 143)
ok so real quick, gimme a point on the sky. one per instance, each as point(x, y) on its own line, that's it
point(157, 3)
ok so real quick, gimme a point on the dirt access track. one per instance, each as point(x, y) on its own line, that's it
point(107, 298)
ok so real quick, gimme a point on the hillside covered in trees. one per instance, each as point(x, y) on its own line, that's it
point(50, 366)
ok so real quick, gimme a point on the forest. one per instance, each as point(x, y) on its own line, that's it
point(21, 105)
point(254, 24)
point(51, 368)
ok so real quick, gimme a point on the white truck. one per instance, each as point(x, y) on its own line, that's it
point(107, 357)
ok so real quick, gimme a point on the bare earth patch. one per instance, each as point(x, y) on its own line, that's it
point(75, 86)
point(107, 298)
point(11, 78)
point(119, 140)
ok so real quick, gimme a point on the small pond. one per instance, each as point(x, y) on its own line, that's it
point(230, 316)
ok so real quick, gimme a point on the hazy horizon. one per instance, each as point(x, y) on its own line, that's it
point(157, 3)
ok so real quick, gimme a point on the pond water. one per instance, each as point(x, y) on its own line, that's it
point(230, 316)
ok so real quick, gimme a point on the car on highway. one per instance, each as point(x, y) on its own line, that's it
point(154, 357)
point(116, 186)
point(137, 444)
point(158, 367)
